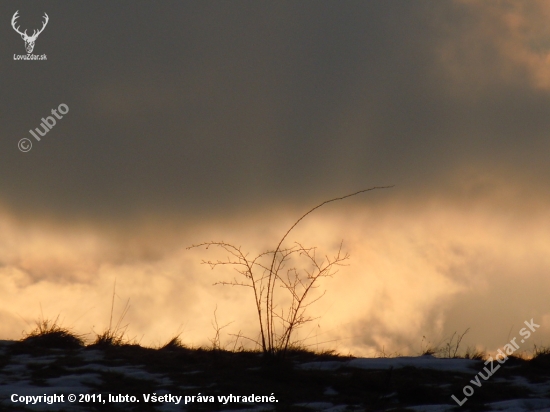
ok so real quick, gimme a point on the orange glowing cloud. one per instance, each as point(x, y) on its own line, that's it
point(417, 269)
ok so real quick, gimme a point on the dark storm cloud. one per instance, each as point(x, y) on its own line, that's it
point(185, 108)
point(197, 106)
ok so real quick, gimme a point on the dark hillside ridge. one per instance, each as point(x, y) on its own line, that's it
point(217, 380)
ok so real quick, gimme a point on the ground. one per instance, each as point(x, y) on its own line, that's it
point(302, 381)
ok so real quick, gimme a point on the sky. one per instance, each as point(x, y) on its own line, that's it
point(196, 121)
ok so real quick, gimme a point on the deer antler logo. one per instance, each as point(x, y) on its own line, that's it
point(29, 40)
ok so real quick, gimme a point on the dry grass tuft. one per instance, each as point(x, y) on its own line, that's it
point(49, 333)
point(115, 335)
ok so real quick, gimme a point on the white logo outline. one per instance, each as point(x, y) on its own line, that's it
point(29, 40)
